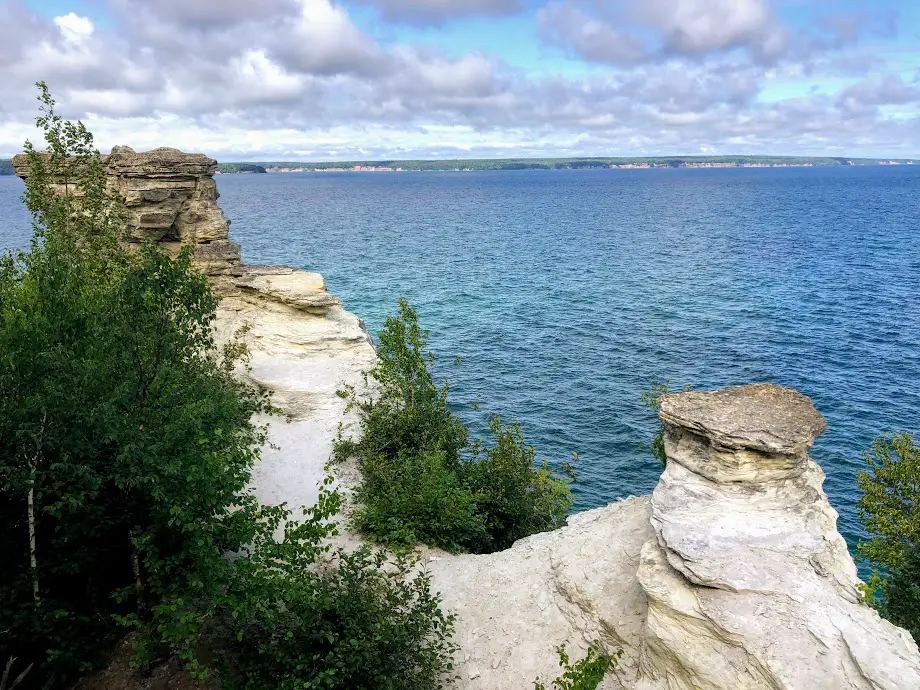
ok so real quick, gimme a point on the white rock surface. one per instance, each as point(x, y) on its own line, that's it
point(304, 357)
point(748, 581)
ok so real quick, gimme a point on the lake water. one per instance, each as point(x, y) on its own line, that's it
point(568, 293)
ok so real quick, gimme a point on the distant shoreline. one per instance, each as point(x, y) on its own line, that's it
point(473, 164)
point(464, 165)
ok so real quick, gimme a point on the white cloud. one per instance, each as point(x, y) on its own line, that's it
point(439, 11)
point(75, 29)
point(300, 79)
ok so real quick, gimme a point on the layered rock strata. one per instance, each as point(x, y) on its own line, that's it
point(749, 584)
point(169, 197)
point(732, 576)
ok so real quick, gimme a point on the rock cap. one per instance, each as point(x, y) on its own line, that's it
point(762, 417)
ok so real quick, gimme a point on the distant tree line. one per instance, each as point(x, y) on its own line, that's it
point(558, 163)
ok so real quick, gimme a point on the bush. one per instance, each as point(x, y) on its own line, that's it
point(890, 511)
point(290, 620)
point(514, 496)
point(652, 400)
point(126, 449)
point(586, 673)
point(422, 478)
point(417, 497)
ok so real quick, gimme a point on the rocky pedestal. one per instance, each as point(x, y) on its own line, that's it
point(731, 577)
point(749, 584)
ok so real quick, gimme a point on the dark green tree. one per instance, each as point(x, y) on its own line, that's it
point(126, 442)
point(890, 511)
point(423, 479)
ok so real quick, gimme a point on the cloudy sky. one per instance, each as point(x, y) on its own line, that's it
point(370, 79)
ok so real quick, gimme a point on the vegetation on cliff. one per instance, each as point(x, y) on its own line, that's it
point(241, 168)
point(423, 479)
point(890, 511)
point(126, 449)
point(586, 673)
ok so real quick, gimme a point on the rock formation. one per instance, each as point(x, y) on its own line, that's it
point(169, 197)
point(749, 584)
point(731, 576)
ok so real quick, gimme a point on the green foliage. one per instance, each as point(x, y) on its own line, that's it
point(125, 443)
point(652, 400)
point(417, 497)
point(890, 511)
point(422, 478)
point(586, 673)
point(291, 619)
point(514, 495)
point(126, 446)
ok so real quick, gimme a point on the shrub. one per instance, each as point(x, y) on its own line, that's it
point(652, 400)
point(586, 673)
point(890, 511)
point(515, 496)
point(290, 620)
point(410, 413)
point(422, 478)
point(417, 497)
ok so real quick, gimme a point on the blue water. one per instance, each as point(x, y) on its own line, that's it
point(568, 293)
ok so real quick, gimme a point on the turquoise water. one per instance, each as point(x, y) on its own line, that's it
point(568, 293)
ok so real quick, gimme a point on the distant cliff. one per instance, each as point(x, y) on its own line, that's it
point(227, 168)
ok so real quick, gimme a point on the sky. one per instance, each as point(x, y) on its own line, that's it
point(381, 79)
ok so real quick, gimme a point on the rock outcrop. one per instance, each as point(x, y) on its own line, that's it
point(731, 576)
point(169, 197)
point(749, 584)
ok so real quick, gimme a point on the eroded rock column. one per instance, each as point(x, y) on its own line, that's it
point(749, 584)
point(170, 197)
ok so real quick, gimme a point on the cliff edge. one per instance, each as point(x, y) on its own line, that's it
point(731, 576)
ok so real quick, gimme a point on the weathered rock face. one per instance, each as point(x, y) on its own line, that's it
point(731, 577)
point(170, 197)
point(749, 584)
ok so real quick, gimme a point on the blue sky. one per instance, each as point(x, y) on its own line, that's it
point(344, 79)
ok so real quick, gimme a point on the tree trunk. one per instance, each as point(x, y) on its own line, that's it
point(138, 582)
point(33, 559)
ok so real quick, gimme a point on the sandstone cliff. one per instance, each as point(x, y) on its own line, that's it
point(169, 197)
point(731, 576)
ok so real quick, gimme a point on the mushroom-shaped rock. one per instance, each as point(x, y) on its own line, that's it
point(749, 583)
